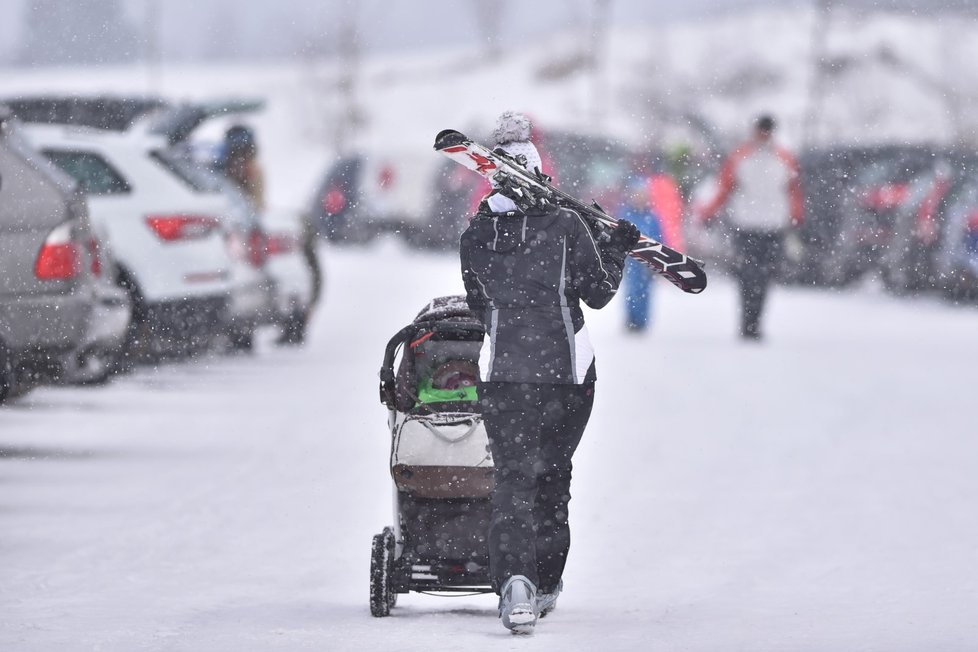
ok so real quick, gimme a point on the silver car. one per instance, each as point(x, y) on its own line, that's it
point(61, 317)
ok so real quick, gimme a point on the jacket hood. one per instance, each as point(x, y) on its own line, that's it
point(510, 230)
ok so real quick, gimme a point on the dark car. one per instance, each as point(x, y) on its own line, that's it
point(428, 199)
point(368, 193)
point(335, 208)
point(935, 238)
point(60, 315)
point(852, 196)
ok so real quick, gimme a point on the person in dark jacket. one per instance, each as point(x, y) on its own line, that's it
point(526, 272)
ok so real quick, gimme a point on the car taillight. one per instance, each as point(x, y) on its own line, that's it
point(885, 197)
point(60, 257)
point(257, 248)
point(280, 243)
point(172, 228)
point(334, 201)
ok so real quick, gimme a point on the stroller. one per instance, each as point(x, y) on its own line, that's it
point(440, 460)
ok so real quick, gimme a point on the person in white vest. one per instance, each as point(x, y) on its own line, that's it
point(760, 188)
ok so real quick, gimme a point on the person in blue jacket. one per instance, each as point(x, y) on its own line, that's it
point(637, 281)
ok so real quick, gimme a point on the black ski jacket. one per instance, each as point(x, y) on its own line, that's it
point(525, 275)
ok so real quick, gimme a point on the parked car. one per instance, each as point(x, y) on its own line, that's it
point(956, 257)
point(168, 239)
point(61, 317)
point(935, 239)
point(428, 199)
point(852, 197)
point(163, 128)
point(252, 298)
point(365, 194)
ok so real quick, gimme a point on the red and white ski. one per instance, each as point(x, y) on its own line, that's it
point(503, 171)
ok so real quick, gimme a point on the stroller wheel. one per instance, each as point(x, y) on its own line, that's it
point(382, 595)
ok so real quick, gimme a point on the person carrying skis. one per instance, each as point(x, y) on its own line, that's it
point(760, 184)
point(526, 270)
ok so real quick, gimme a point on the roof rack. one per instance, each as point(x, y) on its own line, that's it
point(111, 113)
point(153, 115)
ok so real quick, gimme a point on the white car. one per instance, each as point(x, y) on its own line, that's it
point(297, 278)
point(168, 234)
point(252, 299)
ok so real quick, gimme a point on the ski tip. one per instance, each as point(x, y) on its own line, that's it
point(696, 285)
point(449, 138)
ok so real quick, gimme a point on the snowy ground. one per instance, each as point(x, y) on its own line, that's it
point(816, 492)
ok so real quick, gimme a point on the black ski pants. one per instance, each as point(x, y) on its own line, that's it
point(758, 258)
point(533, 431)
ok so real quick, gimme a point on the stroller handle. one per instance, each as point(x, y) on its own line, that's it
point(429, 328)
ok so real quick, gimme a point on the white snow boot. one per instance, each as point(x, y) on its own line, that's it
point(547, 602)
point(518, 605)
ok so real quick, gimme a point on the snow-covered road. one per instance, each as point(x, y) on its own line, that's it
point(816, 492)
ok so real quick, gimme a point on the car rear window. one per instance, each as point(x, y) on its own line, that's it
point(190, 172)
point(95, 175)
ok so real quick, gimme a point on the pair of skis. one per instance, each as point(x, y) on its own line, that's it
point(533, 188)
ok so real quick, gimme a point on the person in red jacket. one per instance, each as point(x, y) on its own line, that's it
point(760, 188)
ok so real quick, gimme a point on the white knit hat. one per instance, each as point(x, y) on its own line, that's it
point(511, 127)
point(512, 135)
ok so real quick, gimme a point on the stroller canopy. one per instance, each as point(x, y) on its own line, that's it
point(439, 359)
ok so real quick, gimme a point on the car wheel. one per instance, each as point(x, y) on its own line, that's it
point(294, 329)
point(96, 367)
point(139, 346)
point(242, 340)
point(139, 335)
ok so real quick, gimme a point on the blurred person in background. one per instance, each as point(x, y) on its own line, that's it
point(241, 164)
point(637, 281)
point(654, 203)
point(760, 187)
point(310, 241)
point(526, 270)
